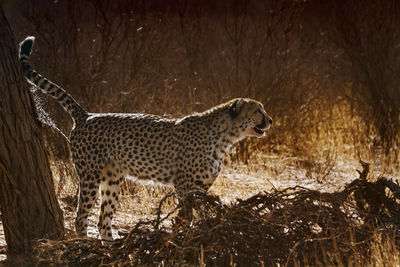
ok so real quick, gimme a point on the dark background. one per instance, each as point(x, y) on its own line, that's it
point(326, 71)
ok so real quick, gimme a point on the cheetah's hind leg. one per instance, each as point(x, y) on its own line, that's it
point(111, 179)
point(88, 187)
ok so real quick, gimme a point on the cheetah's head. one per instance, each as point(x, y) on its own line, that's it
point(249, 118)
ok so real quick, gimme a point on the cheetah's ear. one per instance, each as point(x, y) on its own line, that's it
point(235, 108)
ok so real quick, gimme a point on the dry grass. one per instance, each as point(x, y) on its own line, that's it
point(295, 226)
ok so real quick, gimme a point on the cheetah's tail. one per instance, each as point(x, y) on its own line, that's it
point(66, 101)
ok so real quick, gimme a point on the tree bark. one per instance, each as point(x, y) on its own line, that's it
point(28, 203)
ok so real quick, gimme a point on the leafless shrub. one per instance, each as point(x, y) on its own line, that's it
point(368, 34)
point(174, 58)
point(319, 166)
point(171, 59)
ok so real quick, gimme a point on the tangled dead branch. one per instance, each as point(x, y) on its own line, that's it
point(285, 227)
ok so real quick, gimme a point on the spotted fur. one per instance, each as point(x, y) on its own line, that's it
point(186, 153)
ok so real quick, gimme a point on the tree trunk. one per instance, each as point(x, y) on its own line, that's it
point(28, 203)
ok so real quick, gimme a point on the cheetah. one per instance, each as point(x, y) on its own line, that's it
point(186, 153)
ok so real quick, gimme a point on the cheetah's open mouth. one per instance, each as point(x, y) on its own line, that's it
point(261, 128)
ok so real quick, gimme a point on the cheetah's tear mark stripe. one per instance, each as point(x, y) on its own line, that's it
point(66, 101)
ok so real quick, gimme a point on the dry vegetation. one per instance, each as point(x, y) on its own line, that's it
point(294, 226)
point(327, 72)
